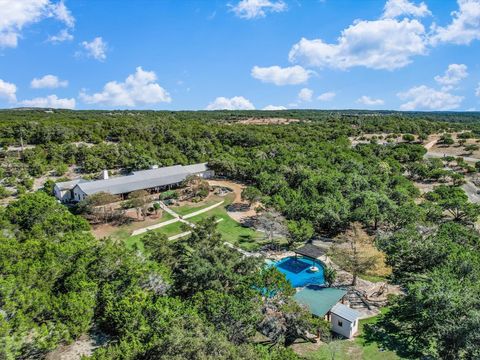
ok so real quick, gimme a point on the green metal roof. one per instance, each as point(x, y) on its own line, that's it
point(319, 300)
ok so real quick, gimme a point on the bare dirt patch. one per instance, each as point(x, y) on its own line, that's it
point(84, 346)
point(104, 230)
point(239, 209)
point(453, 150)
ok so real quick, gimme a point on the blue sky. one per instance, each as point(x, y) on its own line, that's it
point(330, 54)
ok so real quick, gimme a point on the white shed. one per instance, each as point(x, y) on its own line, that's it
point(344, 320)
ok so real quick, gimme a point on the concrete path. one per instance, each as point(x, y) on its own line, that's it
point(201, 211)
point(241, 251)
point(153, 227)
point(174, 237)
point(176, 217)
point(168, 210)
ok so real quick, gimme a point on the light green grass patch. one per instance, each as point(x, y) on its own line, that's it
point(233, 232)
point(357, 349)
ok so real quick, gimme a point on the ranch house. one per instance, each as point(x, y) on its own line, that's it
point(152, 180)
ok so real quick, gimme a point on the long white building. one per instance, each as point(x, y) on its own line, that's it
point(155, 179)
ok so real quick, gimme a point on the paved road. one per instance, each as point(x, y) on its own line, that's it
point(433, 154)
point(471, 191)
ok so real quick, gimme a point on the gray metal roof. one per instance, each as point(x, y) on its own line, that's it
point(143, 179)
point(68, 185)
point(310, 250)
point(345, 312)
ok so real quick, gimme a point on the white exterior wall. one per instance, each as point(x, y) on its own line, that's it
point(62, 195)
point(346, 328)
point(206, 174)
point(78, 194)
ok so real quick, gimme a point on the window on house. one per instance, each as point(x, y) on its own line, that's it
point(340, 323)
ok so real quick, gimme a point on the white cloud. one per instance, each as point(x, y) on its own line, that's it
point(252, 9)
point(60, 12)
point(453, 75)
point(274, 107)
point(8, 91)
point(395, 8)
point(281, 76)
point(138, 88)
point(48, 81)
point(50, 101)
point(63, 35)
point(234, 103)
point(367, 100)
point(327, 96)
point(465, 25)
point(381, 44)
point(477, 91)
point(17, 14)
point(97, 48)
point(425, 98)
point(305, 94)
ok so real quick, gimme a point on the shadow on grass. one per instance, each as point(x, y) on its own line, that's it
point(386, 336)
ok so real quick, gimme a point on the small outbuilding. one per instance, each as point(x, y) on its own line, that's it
point(344, 320)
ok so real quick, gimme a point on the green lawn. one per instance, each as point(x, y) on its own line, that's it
point(233, 232)
point(168, 230)
point(123, 232)
point(190, 208)
point(357, 349)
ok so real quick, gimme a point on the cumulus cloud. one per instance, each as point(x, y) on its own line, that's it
point(97, 48)
point(395, 8)
point(277, 75)
point(137, 89)
point(305, 95)
point(234, 103)
point(381, 44)
point(274, 107)
point(465, 25)
point(16, 15)
point(367, 100)
point(252, 9)
point(425, 98)
point(63, 35)
point(50, 101)
point(327, 96)
point(8, 91)
point(48, 81)
point(453, 75)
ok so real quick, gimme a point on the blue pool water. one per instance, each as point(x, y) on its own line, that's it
point(297, 271)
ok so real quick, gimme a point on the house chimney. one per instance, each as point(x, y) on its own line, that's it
point(105, 174)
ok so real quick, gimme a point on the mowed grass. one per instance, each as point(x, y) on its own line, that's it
point(123, 232)
point(357, 349)
point(212, 200)
point(168, 230)
point(233, 232)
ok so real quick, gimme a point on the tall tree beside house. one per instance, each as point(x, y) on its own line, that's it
point(350, 254)
point(139, 200)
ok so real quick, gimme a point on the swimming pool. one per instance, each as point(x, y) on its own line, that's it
point(298, 273)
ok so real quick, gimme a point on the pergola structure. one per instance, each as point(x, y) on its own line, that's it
point(311, 251)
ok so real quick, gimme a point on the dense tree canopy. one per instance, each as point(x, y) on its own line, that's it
point(195, 298)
